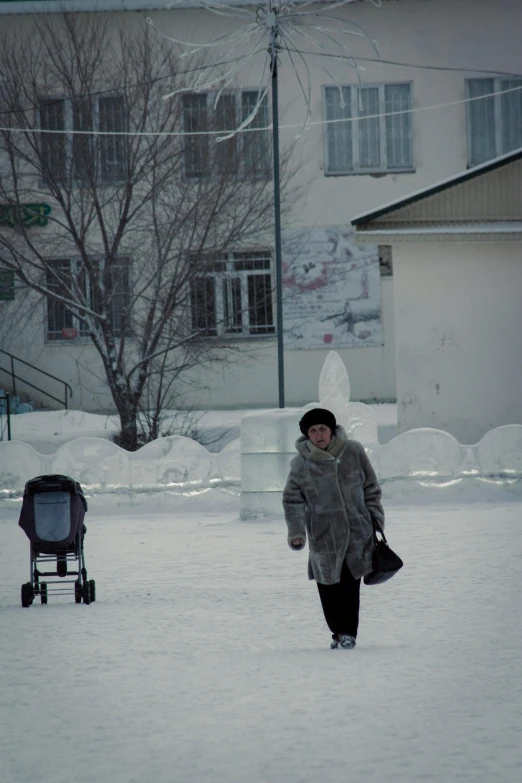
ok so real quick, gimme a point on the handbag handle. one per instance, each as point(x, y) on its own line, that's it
point(378, 530)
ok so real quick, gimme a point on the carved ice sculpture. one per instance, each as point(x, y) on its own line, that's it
point(268, 438)
point(358, 419)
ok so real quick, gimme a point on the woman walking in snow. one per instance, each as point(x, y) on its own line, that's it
point(331, 496)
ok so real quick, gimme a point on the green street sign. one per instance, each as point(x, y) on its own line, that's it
point(24, 214)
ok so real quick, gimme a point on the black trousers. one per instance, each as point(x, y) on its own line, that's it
point(341, 603)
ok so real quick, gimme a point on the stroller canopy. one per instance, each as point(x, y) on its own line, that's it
point(53, 510)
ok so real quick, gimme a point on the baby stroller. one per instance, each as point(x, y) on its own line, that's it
point(53, 510)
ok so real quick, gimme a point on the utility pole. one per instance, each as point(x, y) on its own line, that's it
point(271, 21)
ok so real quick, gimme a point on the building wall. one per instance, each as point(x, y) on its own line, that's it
point(432, 32)
point(255, 383)
point(251, 381)
point(457, 325)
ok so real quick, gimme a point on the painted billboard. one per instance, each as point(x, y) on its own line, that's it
point(331, 290)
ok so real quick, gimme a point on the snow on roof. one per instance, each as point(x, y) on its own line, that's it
point(443, 184)
point(483, 227)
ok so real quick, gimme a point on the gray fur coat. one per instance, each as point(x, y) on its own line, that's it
point(331, 497)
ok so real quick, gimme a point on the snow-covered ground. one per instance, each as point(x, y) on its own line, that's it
point(205, 658)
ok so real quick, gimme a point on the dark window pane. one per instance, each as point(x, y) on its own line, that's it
point(203, 263)
point(481, 121)
point(84, 295)
point(7, 290)
point(84, 167)
point(119, 298)
point(260, 304)
point(113, 149)
point(247, 261)
point(398, 126)
point(52, 117)
point(203, 301)
point(256, 144)
point(338, 133)
point(226, 151)
point(196, 147)
point(369, 135)
point(232, 304)
point(511, 113)
point(385, 260)
point(58, 281)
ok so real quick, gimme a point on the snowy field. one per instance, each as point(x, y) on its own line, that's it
point(205, 658)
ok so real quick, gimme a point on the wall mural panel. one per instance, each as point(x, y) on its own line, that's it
point(331, 290)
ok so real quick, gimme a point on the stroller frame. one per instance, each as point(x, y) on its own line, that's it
point(59, 542)
point(84, 588)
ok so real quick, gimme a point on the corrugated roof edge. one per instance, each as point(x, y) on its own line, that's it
point(445, 184)
point(15, 7)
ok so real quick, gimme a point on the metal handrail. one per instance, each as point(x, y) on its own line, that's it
point(5, 397)
point(15, 377)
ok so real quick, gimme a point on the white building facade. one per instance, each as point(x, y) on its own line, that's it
point(458, 284)
point(443, 94)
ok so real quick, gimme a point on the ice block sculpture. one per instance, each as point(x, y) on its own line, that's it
point(499, 453)
point(267, 446)
point(427, 455)
point(98, 464)
point(18, 463)
point(358, 419)
point(268, 439)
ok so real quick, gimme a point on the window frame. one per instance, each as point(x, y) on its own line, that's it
point(222, 280)
point(357, 169)
point(73, 108)
point(498, 128)
point(82, 335)
point(385, 261)
point(213, 167)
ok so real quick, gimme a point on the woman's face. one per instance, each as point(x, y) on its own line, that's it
point(320, 435)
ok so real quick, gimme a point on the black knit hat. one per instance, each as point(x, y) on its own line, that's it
point(317, 416)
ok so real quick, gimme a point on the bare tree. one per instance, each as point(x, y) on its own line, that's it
point(143, 216)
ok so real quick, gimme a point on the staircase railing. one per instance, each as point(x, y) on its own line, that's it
point(15, 377)
point(4, 411)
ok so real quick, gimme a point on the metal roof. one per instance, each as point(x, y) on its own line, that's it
point(438, 187)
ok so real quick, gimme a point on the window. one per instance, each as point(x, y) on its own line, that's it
point(195, 120)
point(7, 282)
point(63, 276)
point(234, 297)
point(248, 152)
point(256, 144)
point(495, 122)
point(119, 305)
point(100, 157)
point(386, 260)
point(368, 130)
point(61, 323)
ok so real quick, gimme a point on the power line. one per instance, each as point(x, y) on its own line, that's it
point(289, 126)
point(112, 90)
point(410, 65)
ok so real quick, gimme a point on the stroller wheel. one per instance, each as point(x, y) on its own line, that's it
point(43, 592)
point(78, 592)
point(92, 590)
point(27, 594)
point(86, 593)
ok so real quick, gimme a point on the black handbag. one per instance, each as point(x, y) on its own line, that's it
point(385, 563)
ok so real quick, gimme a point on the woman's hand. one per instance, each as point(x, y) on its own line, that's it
point(298, 542)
